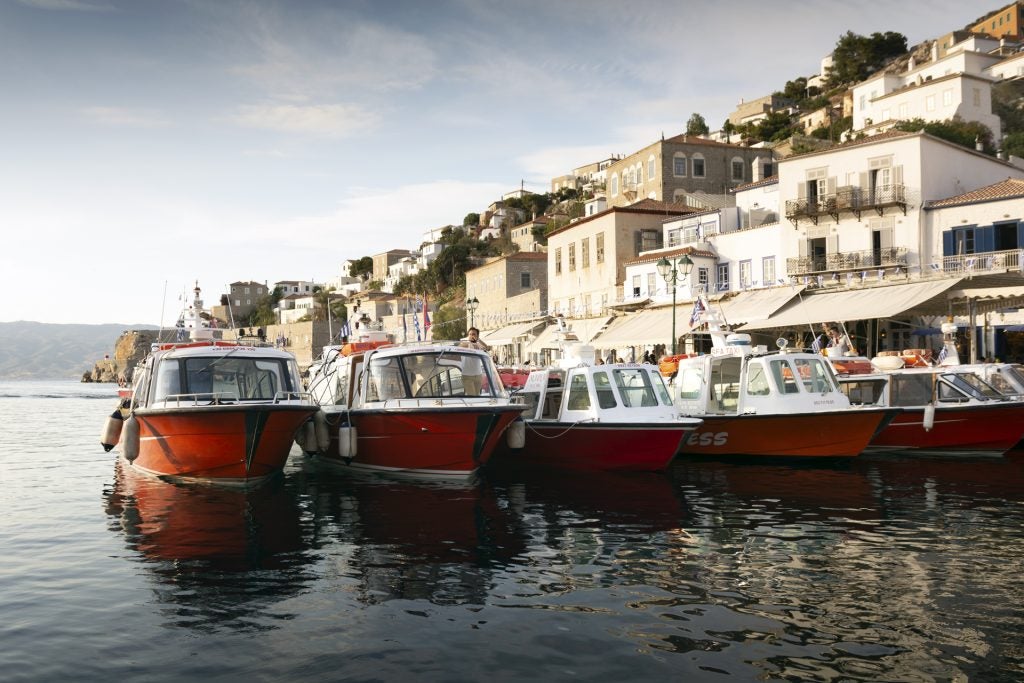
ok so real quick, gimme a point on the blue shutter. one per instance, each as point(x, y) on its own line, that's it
point(1020, 235)
point(947, 243)
point(985, 239)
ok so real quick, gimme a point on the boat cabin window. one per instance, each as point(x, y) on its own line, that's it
point(432, 374)
point(784, 378)
point(980, 386)
point(955, 387)
point(238, 377)
point(605, 394)
point(168, 380)
point(579, 395)
point(690, 381)
point(814, 375)
point(864, 392)
point(910, 389)
point(725, 383)
point(635, 387)
point(757, 380)
point(1001, 384)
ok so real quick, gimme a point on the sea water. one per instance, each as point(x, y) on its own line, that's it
point(877, 568)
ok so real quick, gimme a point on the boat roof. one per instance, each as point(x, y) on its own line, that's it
point(220, 348)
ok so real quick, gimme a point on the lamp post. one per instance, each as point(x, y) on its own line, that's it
point(471, 306)
point(672, 271)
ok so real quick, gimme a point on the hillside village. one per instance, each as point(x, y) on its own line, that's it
point(854, 202)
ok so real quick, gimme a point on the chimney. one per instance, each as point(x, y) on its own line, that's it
point(758, 169)
point(935, 51)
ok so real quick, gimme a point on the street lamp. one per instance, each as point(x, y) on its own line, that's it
point(471, 306)
point(672, 271)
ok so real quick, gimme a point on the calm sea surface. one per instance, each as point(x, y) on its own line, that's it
point(878, 569)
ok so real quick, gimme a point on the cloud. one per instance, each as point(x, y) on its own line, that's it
point(332, 120)
point(121, 116)
point(68, 5)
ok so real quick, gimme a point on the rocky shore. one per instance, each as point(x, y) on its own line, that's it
point(130, 348)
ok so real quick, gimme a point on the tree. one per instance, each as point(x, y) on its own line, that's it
point(471, 219)
point(856, 57)
point(1014, 144)
point(361, 267)
point(776, 125)
point(728, 128)
point(697, 125)
point(956, 130)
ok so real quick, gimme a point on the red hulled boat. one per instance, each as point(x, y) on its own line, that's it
point(436, 410)
point(211, 410)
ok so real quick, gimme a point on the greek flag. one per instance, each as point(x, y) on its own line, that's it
point(698, 308)
point(416, 322)
point(816, 344)
point(934, 266)
point(942, 354)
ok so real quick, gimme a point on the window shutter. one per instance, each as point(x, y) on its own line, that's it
point(897, 175)
point(801, 190)
point(832, 185)
point(832, 244)
point(864, 182)
point(985, 239)
point(948, 248)
point(637, 242)
point(803, 248)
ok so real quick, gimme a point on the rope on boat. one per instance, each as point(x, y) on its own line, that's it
point(561, 434)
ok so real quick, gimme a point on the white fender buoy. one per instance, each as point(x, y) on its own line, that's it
point(323, 434)
point(112, 430)
point(515, 435)
point(348, 440)
point(130, 439)
point(929, 417)
point(306, 437)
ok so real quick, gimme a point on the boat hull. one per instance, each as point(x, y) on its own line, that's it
point(228, 444)
point(830, 434)
point(441, 441)
point(987, 429)
point(599, 446)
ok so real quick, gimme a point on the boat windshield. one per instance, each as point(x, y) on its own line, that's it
point(439, 373)
point(239, 377)
point(980, 385)
point(964, 389)
point(637, 388)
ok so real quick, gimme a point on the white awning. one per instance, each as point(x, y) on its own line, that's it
point(504, 336)
point(755, 304)
point(856, 304)
point(653, 326)
point(988, 299)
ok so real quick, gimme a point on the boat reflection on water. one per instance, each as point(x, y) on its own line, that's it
point(415, 539)
point(210, 547)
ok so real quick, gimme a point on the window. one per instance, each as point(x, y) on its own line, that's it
point(605, 395)
point(757, 381)
point(586, 304)
point(572, 306)
point(723, 277)
point(599, 248)
point(585, 252)
point(639, 174)
point(679, 165)
point(947, 97)
point(238, 302)
point(745, 274)
point(768, 270)
point(650, 168)
point(769, 169)
point(572, 257)
point(636, 285)
point(558, 261)
point(652, 285)
point(579, 397)
point(903, 110)
point(977, 97)
point(524, 280)
point(615, 185)
point(649, 239)
point(929, 103)
point(702, 278)
point(698, 166)
point(737, 169)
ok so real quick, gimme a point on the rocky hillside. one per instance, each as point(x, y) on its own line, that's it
point(30, 350)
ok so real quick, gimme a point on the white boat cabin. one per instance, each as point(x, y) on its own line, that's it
point(916, 387)
point(740, 380)
point(616, 393)
point(397, 376)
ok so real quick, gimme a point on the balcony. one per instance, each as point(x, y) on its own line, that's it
point(854, 200)
point(847, 261)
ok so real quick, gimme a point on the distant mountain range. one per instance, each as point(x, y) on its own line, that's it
point(30, 350)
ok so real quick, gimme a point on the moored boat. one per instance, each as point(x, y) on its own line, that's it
point(436, 410)
point(758, 403)
point(615, 417)
point(210, 410)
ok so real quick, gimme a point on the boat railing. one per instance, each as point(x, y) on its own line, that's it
point(293, 396)
point(206, 398)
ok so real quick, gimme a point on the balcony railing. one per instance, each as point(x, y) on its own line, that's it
point(853, 200)
point(847, 261)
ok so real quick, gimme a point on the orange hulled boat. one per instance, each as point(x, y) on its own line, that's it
point(210, 410)
point(424, 409)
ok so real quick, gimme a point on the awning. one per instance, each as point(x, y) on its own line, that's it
point(504, 336)
point(858, 304)
point(988, 299)
point(653, 326)
point(584, 328)
point(755, 304)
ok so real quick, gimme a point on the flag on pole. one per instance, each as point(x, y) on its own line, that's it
point(816, 344)
point(426, 317)
point(416, 321)
point(698, 309)
point(942, 354)
point(345, 330)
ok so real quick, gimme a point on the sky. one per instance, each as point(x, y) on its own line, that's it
point(148, 145)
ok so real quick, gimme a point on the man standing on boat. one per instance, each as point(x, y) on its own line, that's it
point(472, 367)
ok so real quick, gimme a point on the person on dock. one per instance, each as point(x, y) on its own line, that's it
point(472, 367)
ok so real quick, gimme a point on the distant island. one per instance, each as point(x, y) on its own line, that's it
point(43, 351)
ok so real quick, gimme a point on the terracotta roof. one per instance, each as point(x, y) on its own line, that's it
point(694, 140)
point(770, 180)
point(1007, 189)
point(527, 256)
point(642, 206)
point(887, 135)
point(650, 258)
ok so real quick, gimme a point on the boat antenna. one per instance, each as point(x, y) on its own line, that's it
point(231, 315)
point(163, 305)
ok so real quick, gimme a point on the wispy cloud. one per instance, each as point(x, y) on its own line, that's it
point(332, 120)
point(68, 5)
point(122, 116)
